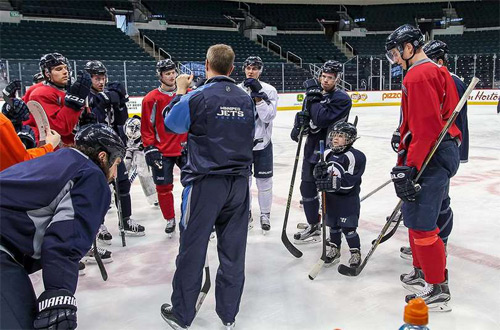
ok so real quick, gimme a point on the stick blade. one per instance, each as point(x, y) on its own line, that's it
point(290, 247)
point(348, 271)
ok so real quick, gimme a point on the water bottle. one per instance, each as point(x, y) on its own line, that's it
point(416, 315)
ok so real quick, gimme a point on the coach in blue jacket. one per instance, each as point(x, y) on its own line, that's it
point(219, 118)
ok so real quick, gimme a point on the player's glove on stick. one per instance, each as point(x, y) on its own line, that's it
point(313, 91)
point(406, 188)
point(17, 112)
point(396, 139)
point(302, 118)
point(153, 157)
point(328, 184)
point(56, 310)
point(260, 95)
point(79, 90)
point(320, 170)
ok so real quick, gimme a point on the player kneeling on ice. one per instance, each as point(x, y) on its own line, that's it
point(340, 176)
point(51, 208)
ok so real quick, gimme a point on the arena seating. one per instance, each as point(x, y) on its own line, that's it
point(371, 44)
point(485, 42)
point(479, 13)
point(312, 48)
point(65, 9)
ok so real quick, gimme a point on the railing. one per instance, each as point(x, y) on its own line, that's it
point(144, 38)
point(272, 43)
point(160, 50)
point(261, 41)
point(294, 55)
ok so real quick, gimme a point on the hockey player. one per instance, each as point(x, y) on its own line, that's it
point(265, 97)
point(108, 104)
point(135, 161)
point(51, 208)
point(325, 105)
point(162, 149)
point(340, 176)
point(429, 98)
point(220, 120)
point(437, 51)
point(63, 108)
point(37, 82)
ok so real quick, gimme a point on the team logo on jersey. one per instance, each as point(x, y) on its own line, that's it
point(228, 89)
point(230, 113)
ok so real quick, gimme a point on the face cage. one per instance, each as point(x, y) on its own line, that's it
point(338, 149)
point(133, 131)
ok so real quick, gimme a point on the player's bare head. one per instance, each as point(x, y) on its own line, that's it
point(54, 68)
point(166, 72)
point(220, 60)
point(253, 67)
point(98, 73)
point(330, 75)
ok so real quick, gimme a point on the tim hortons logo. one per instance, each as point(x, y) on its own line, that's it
point(391, 96)
point(356, 97)
point(484, 96)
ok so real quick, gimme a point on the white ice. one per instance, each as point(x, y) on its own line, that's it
point(278, 293)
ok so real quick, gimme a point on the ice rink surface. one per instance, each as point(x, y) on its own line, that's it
point(278, 294)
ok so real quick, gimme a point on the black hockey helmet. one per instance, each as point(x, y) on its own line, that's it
point(254, 61)
point(37, 77)
point(344, 129)
point(404, 34)
point(50, 60)
point(435, 50)
point(332, 66)
point(164, 65)
point(95, 67)
point(101, 137)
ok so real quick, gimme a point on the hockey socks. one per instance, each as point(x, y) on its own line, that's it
point(166, 200)
point(428, 248)
point(310, 200)
point(351, 237)
point(124, 188)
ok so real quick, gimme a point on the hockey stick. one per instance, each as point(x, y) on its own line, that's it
point(317, 267)
point(354, 271)
point(284, 238)
point(133, 174)
point(303, 225)
point(121, 224)
point(42, 122)
point(98, 259)
point(206, 286)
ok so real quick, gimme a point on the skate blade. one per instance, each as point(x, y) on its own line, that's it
point(308, 241)
point(265, 231)
point(328, 265)
point(91, 260)
point(81, 272)
point(134, 234)
point(440, 307)
point(102, 241)
point(406, 257)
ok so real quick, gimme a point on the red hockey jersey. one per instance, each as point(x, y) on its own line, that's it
point(428, 100)
point(152, 128)
point(30, 90)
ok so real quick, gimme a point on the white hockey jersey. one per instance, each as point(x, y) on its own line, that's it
point(266, 112)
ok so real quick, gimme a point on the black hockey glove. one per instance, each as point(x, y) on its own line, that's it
point(87, 118)
point(153, 157)
point(396, 139)
point(313, 91)
point(79, 90)
point(9, 92)
point(328, 184)
point(406, 188)
point(260, 95)
point(27, 137)
point(301, 119)
point(253, 84)
point(121, 93)
point(102, 101)
point(17, 112)
point(56, 310)
point(321, 170)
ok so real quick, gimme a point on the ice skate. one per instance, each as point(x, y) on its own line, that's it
point(406, 253)
point(355, 259)
point(170, 227)
point(303, 225)
point(333, 255)
point(414, 281)
point(81, 268)
point(104, 236)
point(250, 220)
point(265, 223)
point(229, 326)
point(312, 234)
point(132, 228)
point(436, 297)
point(103, 253)
point(168, 315)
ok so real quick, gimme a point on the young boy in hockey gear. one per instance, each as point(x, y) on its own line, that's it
point(340, 176)
point(325, 105)
point(63, 108)
point(109, 106)
point(265, 97)
point(51, 208)
point(429, 98)
point(215, 180)
point(438, 51)
point(161, 148)
point(135, 161)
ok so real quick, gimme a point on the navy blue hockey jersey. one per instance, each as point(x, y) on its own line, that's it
point(220, 120)
point(50, 210)
point(335, 106)
point(112, 116)
point(349, 166)
point(462, 122)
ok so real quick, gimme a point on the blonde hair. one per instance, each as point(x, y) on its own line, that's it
point(221, 58)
